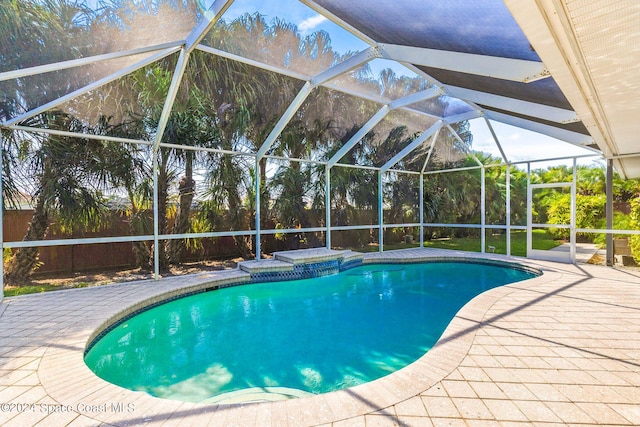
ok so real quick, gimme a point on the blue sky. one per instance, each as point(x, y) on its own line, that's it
point(521, 144)
point(306, 19)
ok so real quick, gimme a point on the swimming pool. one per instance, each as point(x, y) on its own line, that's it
point(288, 339)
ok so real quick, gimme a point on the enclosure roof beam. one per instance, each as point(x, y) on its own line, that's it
point(412, 146)
point(469, 152)
point(373, 121)
point(433, 144)
point(423, 95)
point(439, 85)
point(463, 117)
point(181, 66)
point(79, 135)
point(92, 86)
point(496, 140)
point(211, 16)
point(284, 120)
point(574, 138)
point(545, 112)
point(63, 65)
point(518, 70)
point(253, 63)
point(375, 99)
point(349, 64)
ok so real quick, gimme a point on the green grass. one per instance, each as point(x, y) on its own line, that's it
point(12, 291)
point(542, 240)
point(373, 247)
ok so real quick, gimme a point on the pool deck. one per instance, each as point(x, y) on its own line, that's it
point(559, 349)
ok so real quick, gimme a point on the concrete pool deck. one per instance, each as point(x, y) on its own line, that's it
point(559, 349)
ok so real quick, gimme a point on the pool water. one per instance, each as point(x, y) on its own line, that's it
point(314, 335)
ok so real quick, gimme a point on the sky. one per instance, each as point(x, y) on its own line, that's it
point(306, 19)
point(521, 144)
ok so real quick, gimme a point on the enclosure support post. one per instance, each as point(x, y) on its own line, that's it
point(421, 209)
point(1, 234)
point(572, 236)
point(380, 212)
point(508, 208)
point(257, 190)
point(529, 213)
point(156, 218)
point(483, 206)
point(609, 212)
point(327, 205)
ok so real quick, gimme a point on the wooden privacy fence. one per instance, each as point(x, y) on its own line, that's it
point(108, 256)
point(101, 256)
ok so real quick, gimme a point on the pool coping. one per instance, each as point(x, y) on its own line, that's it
point(59, 364)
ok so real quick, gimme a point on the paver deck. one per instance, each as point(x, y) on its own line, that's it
point(560, 349)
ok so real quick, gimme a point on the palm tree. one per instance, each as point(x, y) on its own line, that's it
point(292, 182)
point(590, 180)
point(130, 169)
point(246, 103)
point(144, 92)
point(518, 182)
point(69, 174)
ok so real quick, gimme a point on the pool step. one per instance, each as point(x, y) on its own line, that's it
point(349, 256)
point(265, 266)
point(309, 256)
point(286, 261)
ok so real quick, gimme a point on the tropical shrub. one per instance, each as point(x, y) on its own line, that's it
point(621, 221)
point(589, 211)
point(634, 241)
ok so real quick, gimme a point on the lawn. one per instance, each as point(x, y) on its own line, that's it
point(12, 291)
point(541, 239)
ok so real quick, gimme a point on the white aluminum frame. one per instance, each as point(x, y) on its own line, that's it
point(518, 70)
point(545, 112)
point(41, 69)
point(550, 255)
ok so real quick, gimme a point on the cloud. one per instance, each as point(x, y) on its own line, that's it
point(311, 23)
point(512, 137)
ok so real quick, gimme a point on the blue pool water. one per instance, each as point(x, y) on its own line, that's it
point(316, 335)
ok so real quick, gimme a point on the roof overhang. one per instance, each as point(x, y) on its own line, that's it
point(592, 49)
